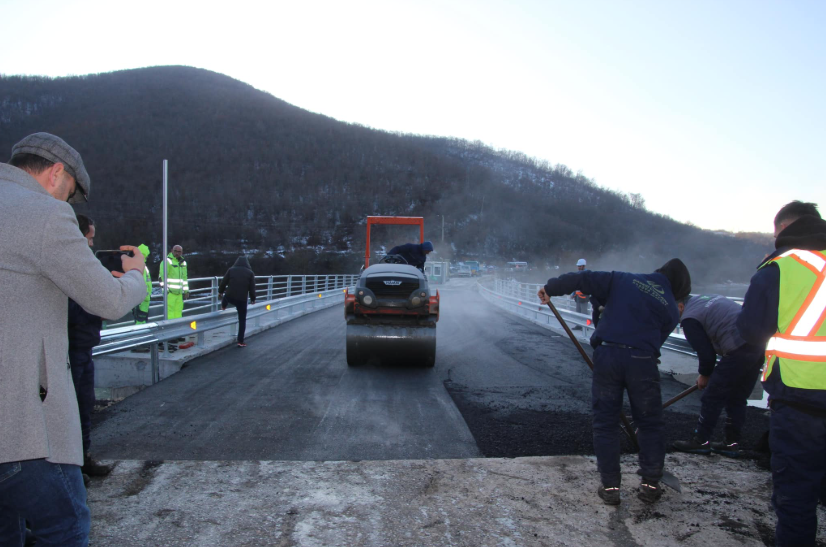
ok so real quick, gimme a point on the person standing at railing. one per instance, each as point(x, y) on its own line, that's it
point(177, 286)
point(45, 261)
point(141, 311)
point(238, 282)
point(709, 324)
point(84, 334)
point(785, 310)
point(640, 312)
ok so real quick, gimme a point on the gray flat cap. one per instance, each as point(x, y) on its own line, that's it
point(56, 150)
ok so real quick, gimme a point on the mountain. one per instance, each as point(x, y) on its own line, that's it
point(251, 173)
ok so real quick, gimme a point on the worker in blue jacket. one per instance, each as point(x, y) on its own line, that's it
point(415, 254)
point(794, 377)
point(640, 311)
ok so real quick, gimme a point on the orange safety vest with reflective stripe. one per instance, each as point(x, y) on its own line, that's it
point(800, 339)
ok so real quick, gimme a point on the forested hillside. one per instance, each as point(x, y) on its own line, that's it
point(250, 172)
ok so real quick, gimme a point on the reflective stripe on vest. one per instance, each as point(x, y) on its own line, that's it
point(801, 334)
point(175, 284)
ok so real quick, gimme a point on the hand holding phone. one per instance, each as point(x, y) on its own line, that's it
point(132, 259)
point(121, 261)
point(111, 260)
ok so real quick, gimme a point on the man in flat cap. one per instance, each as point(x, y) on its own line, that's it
point(44, 261)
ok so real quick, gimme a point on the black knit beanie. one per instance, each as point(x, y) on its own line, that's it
point(678, 276)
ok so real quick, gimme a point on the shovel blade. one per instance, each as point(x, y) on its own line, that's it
point(671, 481)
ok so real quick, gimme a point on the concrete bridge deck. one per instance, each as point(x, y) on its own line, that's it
point(282, 444)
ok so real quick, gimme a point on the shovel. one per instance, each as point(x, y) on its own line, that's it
point(676, 398)
point(669, 479)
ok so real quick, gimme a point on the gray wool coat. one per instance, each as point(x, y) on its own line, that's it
point(44, 261)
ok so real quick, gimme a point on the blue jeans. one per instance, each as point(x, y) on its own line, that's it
point(798, 444)
point(624, 369)
point(729, 387)
point(83, 376)
point(50, 496)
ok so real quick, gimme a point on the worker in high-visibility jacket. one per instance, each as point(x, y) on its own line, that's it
point(176, 286)
point(785, 309)
point(580, 297)
point(141, 311)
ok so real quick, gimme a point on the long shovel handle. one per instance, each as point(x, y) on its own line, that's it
point(626, 425)
point(676, 398)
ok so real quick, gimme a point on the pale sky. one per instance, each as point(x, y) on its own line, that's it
point(712, 110)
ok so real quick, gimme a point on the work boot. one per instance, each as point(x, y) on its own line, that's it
point(610, 495)
point(726, 448)
point(694, 446)
point(94, 468)
point(650, 491)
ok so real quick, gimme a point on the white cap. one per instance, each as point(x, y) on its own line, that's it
point(580, 262)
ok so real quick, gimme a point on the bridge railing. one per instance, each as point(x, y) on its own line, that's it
point(203, 293)
point(521, 299)
point(277, 297)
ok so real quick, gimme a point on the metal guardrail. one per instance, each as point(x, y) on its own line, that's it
point(327, 291)
point(521, 299)
point(203, 293)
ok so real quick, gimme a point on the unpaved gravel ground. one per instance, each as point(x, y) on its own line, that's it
point(481, 502)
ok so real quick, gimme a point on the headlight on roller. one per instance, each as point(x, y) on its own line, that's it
point(367, 300)
point(416, 301)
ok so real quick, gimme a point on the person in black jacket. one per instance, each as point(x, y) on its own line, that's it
point(415, 254)
point(238, 282)
point(84, 334)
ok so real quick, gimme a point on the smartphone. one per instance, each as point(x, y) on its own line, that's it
point(111, 259)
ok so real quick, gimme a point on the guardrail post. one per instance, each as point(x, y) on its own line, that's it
point(214, 294)
point(303, 284)
point(155, 361)
point(269, 289)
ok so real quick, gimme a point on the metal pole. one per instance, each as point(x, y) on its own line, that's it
point(164, 250)
point(153, 349)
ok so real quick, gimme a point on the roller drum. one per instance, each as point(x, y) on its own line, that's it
point(389, 345)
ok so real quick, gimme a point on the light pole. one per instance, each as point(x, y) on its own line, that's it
point(163, 251)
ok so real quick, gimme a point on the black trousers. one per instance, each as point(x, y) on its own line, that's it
point(729, 387)
point(83, 376)
point(241, 306)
